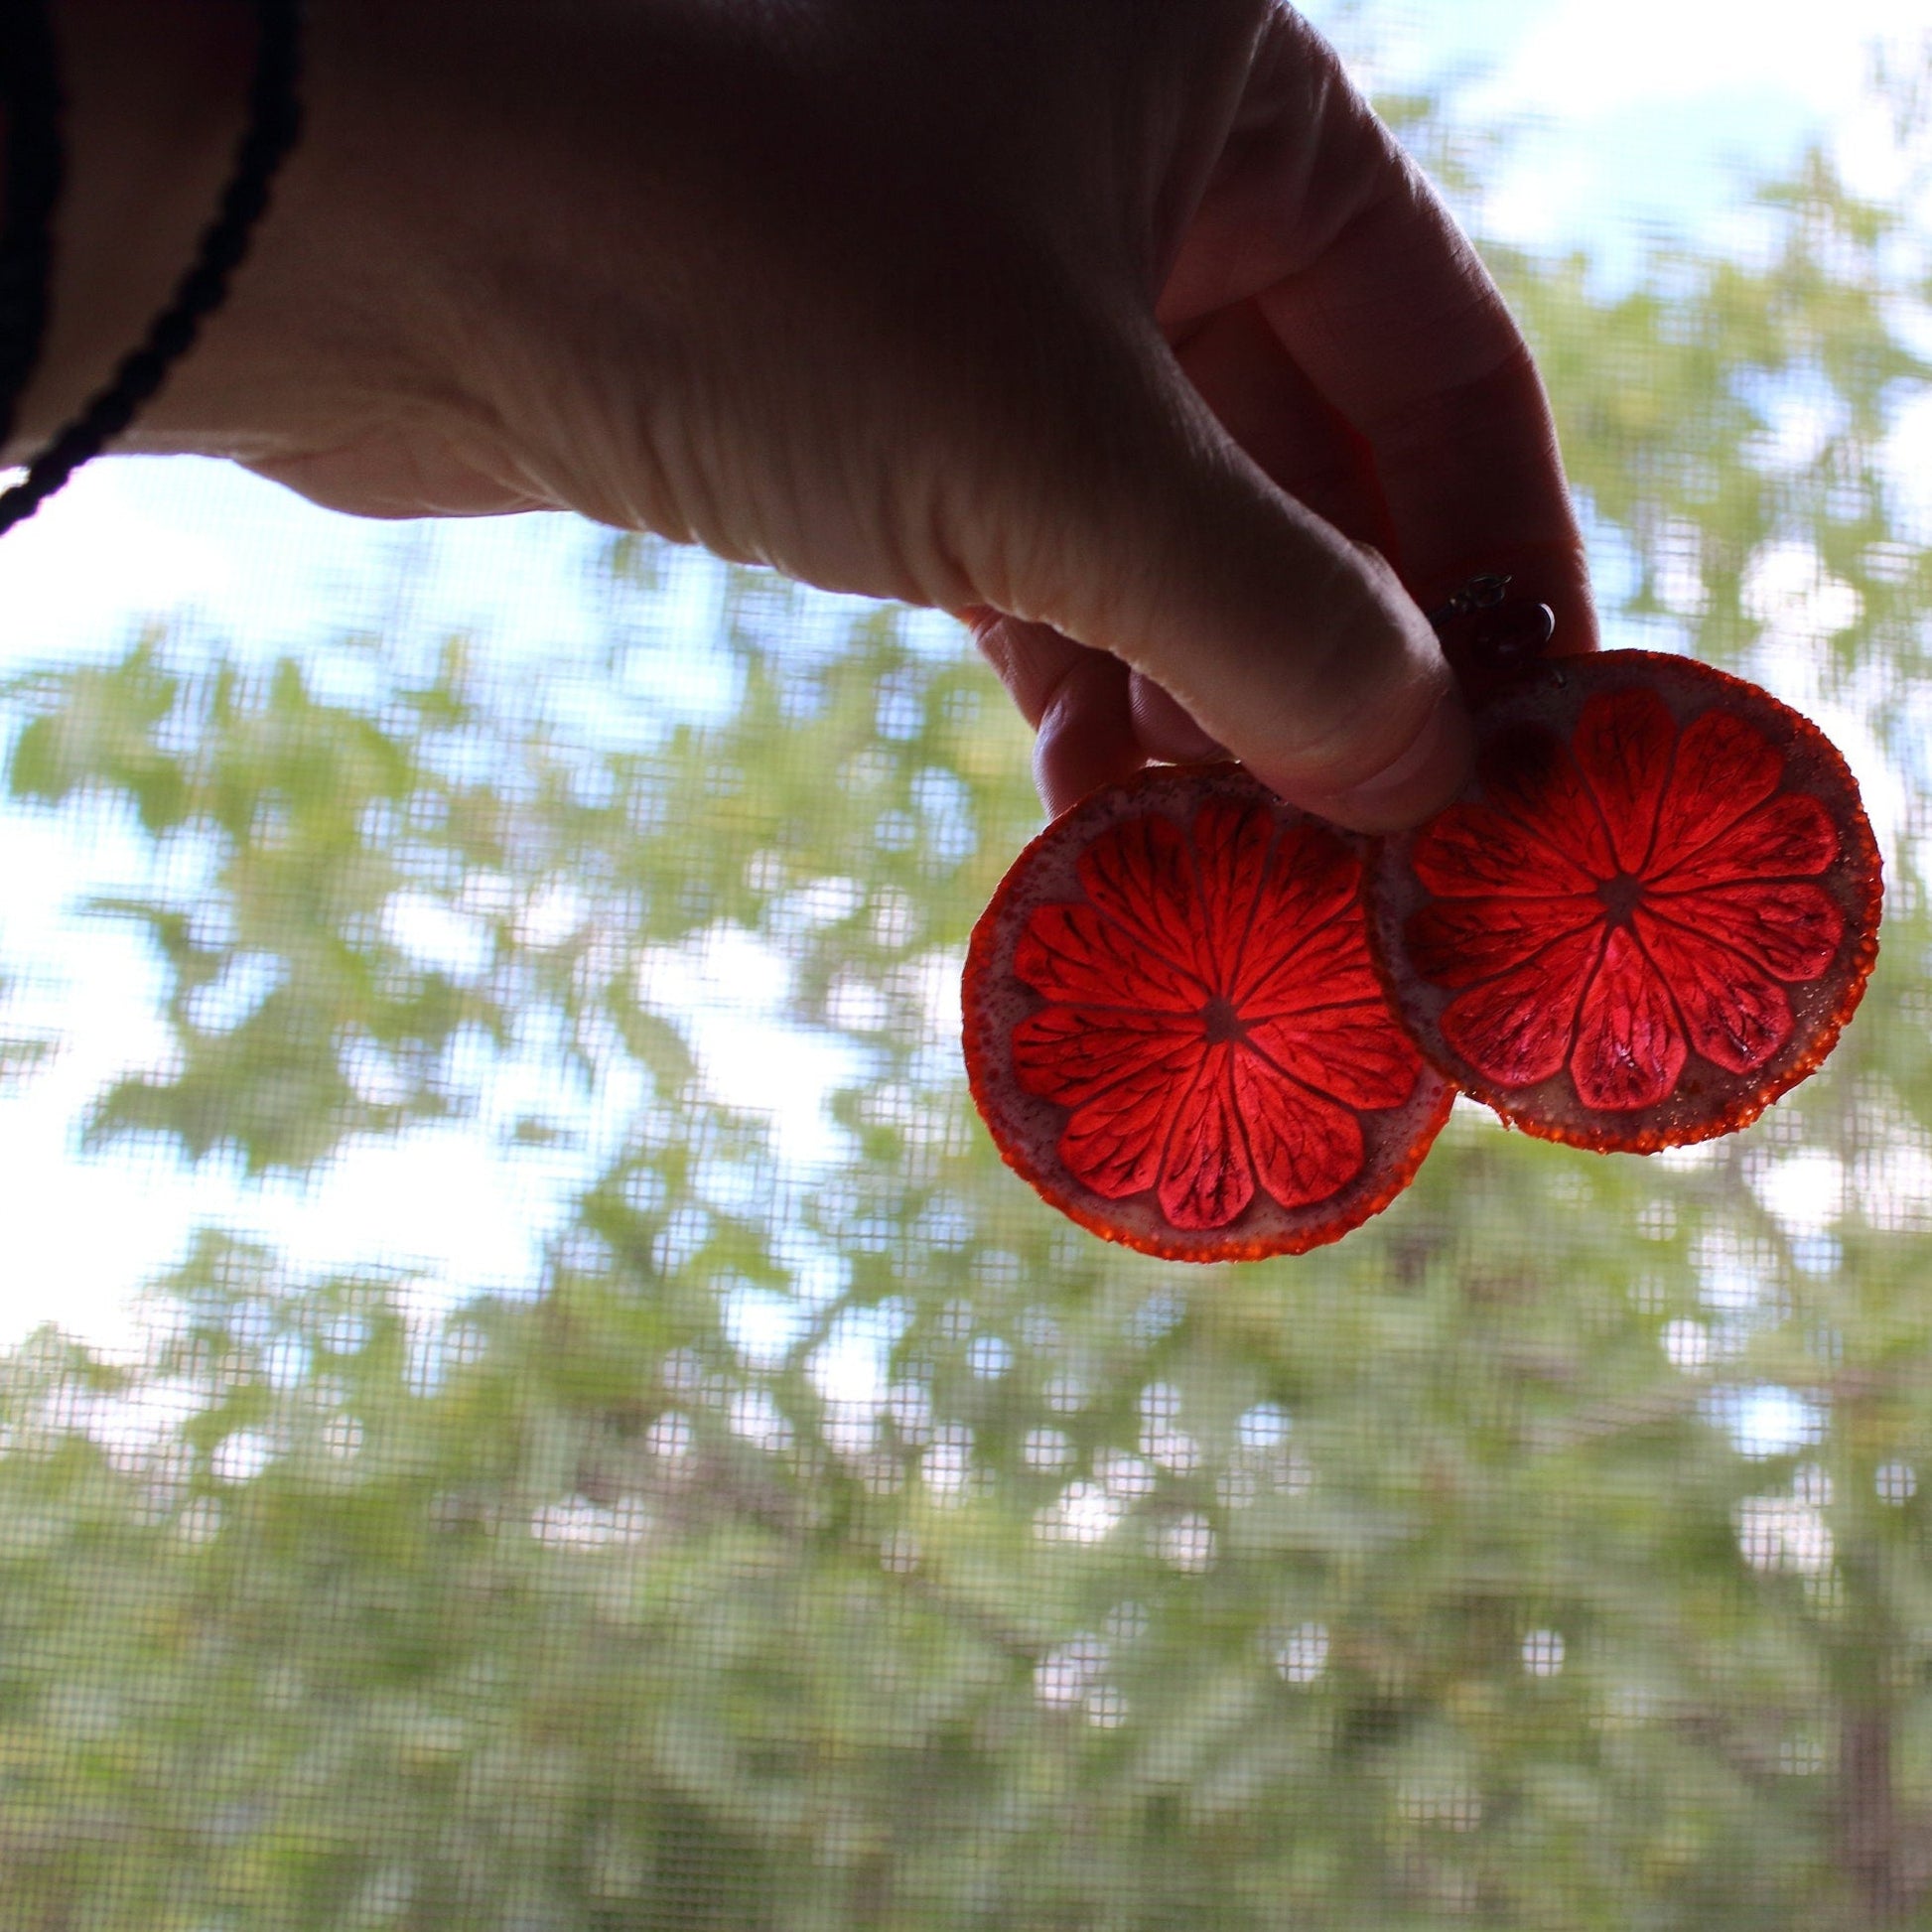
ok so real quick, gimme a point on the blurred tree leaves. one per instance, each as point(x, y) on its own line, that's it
point(1550, 1553)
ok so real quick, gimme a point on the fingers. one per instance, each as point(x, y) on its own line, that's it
point(1075, 699)
point(1163, 728)
point(1160, 542)
point(1443, 393)
point(1096, 721)
point(1086, 734)
point(1347, 381)
point(1271, 407)
point(1274, 412)
point(1373, 301)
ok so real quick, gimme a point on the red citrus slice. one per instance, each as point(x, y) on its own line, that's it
point(1174, 1031)
point(1649, 913)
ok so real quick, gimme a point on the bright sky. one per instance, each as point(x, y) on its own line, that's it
point(1648, 113)
point(1634, 116)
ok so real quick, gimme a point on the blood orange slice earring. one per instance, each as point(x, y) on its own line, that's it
point(1174, 1030)
point(1652, 910)
point(1209, 1025)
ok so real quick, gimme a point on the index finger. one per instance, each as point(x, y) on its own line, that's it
point(1381, 303)
point(1400, 327)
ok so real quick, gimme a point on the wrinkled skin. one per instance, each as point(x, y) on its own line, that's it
point(1119, 328)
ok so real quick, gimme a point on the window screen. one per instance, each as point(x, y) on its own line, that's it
point(529, 1401)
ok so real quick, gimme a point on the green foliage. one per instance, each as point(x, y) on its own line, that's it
point(1421, 1582)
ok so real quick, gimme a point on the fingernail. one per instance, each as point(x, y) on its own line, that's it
point(1423, 778)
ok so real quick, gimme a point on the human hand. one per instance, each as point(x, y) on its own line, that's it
point(1113, 326)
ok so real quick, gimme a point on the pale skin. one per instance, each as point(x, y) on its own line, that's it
point(1120, 328)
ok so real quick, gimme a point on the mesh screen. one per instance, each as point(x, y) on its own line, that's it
point(601, 1441)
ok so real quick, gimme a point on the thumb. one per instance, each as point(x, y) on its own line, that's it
point(1149, 534)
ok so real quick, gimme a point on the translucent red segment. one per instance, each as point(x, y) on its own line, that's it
point(1475, 850)
point(1529, 773)
point(1077, 954)
point(1314, 965)
point(1788, 928)
point(1139, 874)
point(1790, 837)
point(1078, 1054)
point(1231, 845)
point(1622, 745)
point(1461, 942)
point(1345, 1051)
point(1206, 1175)
point(1725, 766)
point(1517, 1029)
point(1648, 915)
point(1329, 968)
point(1300, 1141)
point(1175, 1030)
point(1736, 1013)
point(1308, 925)
point(1118, 1147)
point(1630, 1044)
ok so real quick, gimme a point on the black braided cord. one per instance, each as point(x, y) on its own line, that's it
point(274, 124)
point(29, 95)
